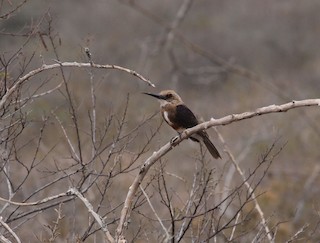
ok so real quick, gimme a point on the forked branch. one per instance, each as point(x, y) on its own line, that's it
point(125, 213)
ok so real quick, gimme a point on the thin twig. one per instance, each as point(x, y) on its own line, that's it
point(4, 239)
point(7, 15)
point(306, 191)
point(168, 237)
point(6, 170)
point(96, 216)
point(93, 103)
point(170, 32)
point(55, 228)
point(125, 213)
point(68, 139)
point(36, 203)
point(247, 184)
point(6, 226)
point(296, 235)
point(192, 196)
point(235, 226)
point(41, 94)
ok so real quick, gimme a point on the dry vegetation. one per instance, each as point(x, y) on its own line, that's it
point(85, 157)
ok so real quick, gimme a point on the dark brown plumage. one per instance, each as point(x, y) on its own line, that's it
point(180, 117)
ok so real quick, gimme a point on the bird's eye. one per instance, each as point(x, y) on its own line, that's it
point(168, 96)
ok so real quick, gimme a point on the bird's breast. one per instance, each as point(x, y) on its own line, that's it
point(166, 118)
point(169, 117)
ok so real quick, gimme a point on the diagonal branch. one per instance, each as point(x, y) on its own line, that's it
point(126, 210)
point(249, 187)
point(168, 237)
point(6, 226)
point(96, 216)
point(170, 31)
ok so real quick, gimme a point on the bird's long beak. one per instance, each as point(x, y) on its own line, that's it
point(160, 97)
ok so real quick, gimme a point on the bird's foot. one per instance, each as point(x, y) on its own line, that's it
point(174, 140)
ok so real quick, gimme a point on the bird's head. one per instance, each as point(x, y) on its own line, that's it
point(167, 96)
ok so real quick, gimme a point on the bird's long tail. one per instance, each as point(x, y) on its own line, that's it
point(212, 149)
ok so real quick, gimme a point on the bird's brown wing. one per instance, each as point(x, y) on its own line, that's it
point(184, 117)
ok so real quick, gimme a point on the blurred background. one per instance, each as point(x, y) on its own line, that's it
point(222, 57)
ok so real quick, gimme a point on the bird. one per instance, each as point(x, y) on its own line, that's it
point(180, 117)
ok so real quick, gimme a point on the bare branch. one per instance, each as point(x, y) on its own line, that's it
point(55, 228)
point(96, 216)
point(310, 181)
point(10, 230)
point(125, 213)
point(168, 237)
point(296, 235)
point(93, 101)
point(234, 227)
point(74, 153)
point(250, 189)
point(45, 67)
point(169, 35)
point(7, 15)
point(4, 239)
point(47, 199)
point(42, 94)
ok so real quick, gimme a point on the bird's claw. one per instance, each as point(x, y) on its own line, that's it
point(174, 140)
